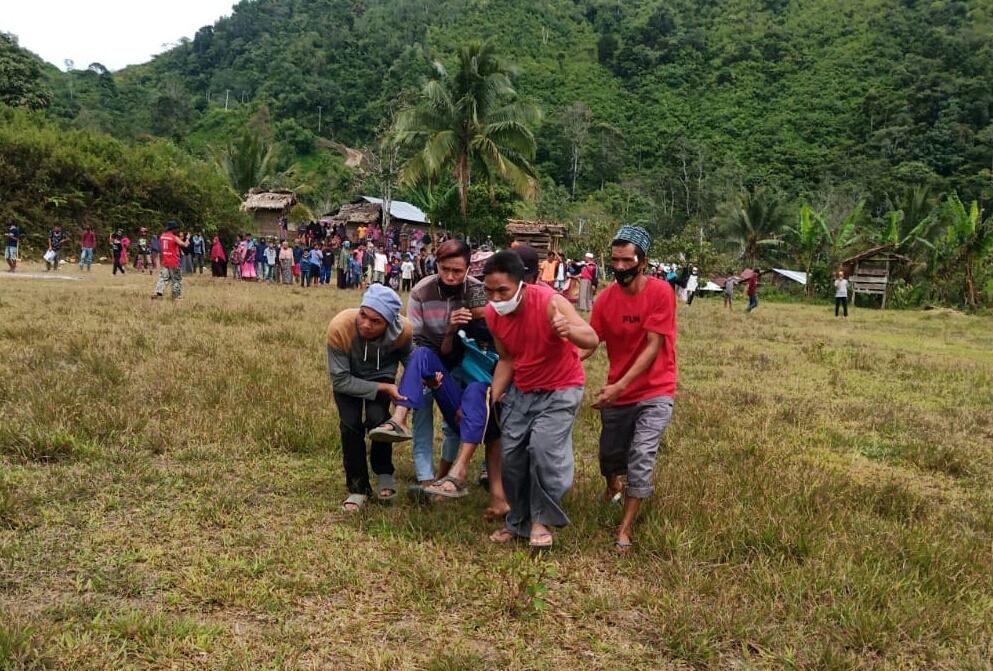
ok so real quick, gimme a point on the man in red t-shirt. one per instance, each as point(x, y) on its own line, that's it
point(752, 290)
point(636, 318)
point(171, 272)
point(539, 384)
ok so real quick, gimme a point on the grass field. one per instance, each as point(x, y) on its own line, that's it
point(170, 484)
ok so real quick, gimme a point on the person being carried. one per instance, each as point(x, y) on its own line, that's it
point(364, 348)
point(466, 411)
point(636, 319)
point(436, 309)
point(532, 326)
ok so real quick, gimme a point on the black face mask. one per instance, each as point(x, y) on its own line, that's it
point(626, 277)
point(449, 291)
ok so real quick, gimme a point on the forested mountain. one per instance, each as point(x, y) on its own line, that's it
point(658, 112)
point(684, 97)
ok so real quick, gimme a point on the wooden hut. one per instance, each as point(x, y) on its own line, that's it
point(267, 207)
point(544, 236)
point(366, 210)
point(353, 215)
point(869, 272)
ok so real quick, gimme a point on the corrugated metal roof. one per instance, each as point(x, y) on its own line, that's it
point(795, 275)
point(401, 210)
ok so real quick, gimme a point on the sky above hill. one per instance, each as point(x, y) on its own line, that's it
point(114, 33)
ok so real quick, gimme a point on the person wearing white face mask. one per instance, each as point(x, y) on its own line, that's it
point(538, 384)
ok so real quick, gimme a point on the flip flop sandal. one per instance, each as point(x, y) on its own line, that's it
point(437, 490)
point(541, 541)
point(395, 434)
point(358, 500)
point(623, 546)
point(386, 481)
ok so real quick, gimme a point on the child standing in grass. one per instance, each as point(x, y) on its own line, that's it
point(271, 256)
point(636, 319)
point(365, 347)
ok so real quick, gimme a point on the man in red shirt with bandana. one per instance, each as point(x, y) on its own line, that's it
point(636, 318)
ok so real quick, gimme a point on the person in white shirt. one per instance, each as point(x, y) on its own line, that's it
point(379, 266)
point(406, 273)
point(841, 294)
point(692, 282)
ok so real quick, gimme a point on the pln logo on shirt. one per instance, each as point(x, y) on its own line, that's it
point(631, 319)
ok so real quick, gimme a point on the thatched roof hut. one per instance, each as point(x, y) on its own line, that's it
point(366, 210)
point(267, 207)
point(544, 236)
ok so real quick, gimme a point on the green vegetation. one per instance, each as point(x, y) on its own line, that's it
point(676, 115)
point(470, 122)
point(824, 500)
point(48, 175)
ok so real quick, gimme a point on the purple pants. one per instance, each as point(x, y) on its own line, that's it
point(424, 363)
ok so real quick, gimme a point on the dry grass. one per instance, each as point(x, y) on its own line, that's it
point(170, 480)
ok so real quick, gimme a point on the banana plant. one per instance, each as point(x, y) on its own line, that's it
point(842, 237)
point(807, 237)
point(968, 239)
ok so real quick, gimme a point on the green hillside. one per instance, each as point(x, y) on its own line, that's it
point(868, 96)
point(678, 115)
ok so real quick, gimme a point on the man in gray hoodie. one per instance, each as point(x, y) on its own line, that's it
point(365, 347)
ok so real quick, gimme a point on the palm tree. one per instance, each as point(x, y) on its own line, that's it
point(754, 223)
point(470, 121)
point(246, 162)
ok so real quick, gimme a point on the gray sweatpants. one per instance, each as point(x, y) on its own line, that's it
point(629, 441)
point(538, 464)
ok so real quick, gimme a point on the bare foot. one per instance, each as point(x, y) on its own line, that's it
point(496, 511)
point(503, 535)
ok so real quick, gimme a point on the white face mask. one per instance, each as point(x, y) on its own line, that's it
point(504, 308)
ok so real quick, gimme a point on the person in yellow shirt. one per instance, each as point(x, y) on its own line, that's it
point(549, 268)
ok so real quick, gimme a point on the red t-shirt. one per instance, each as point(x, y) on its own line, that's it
point(753, 285)
point(542, 359)
point(623, 322)
point(170, 250)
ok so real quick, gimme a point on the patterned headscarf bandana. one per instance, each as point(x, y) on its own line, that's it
point(637, 236)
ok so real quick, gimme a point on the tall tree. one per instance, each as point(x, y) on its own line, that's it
point(470, 121)
point(754, 224)
point(843, 236)
point(246, 162)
